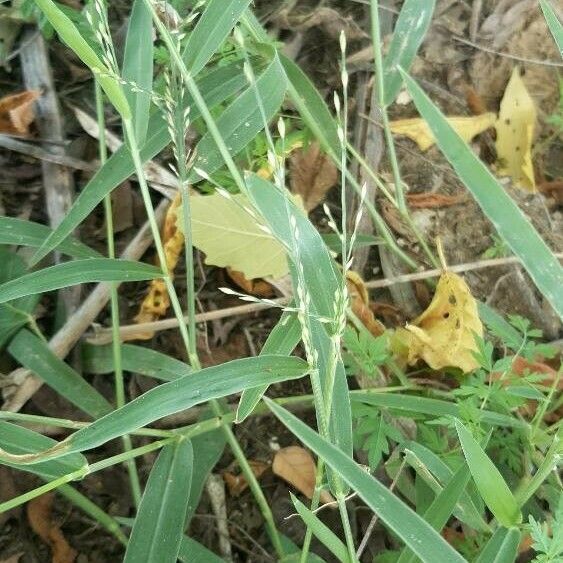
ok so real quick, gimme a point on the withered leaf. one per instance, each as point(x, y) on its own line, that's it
point(16, 112)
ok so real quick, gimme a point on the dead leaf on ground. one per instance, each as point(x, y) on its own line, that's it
point(17, 113)
point(417, 129)
point(257, 287)
point(552, 189)
point(296, 466)
point(40, 519)
point(312, 175)
point(429, 200)
point(360, 305)
point(444, 335)
point(13, 558)
point(238, 483)
point(515, 133)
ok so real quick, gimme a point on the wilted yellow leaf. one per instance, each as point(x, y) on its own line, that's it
point(515, 132)
point(466, 127)
point(443, 336)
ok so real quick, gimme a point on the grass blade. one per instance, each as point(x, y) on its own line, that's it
point(138, 67)
point(511, 224)
point(402, 520)
point(490, 483)
point(159, 525)
point(553, 23)
point(209, 383)
point(502, 547)
point(33, 353)
point(213, 27)
point(410, 29)
point(70, 35)
point(27, 233)
point(77, 272)
point(192, 551)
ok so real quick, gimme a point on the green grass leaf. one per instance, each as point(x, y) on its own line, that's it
point(411, 27)
point(417, 534)
point(490, 483)
point(136, 359)
point(138, 67)
point(70, 35)
point(511, 224)
point(213, 27)
point(159, 525)
point(502, 547)
point(33, 353)
point(192, 551)
point(553, 23)
point(322, 532)
point(73, 273)
point(27, 233)
point(209, 383)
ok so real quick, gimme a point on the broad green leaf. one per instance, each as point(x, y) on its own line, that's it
point(33, 353)
point(70, 35)
point(322, 532)
point(136, 359)
point(553, 23)
point(243, 120)
point(213, 27)
point(215, 87)
point(192, 551)
point(311, 107)
point(440, 510)
point(159, 525)
point(138, 67)
point(76, 272)
point(410, 29)
point(502, 547)
point(511, 224)
point(209, 383)
point(230, 236)
point(27, 233)
point(283, 338)
point(488, 479)
point(431, 407)
point(16, 314)
point(19, 440)
point(417, 534)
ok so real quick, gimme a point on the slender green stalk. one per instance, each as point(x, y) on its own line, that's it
point(314, 505)
point(341, 499)
point(114, 301)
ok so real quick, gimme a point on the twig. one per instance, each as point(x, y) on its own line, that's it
point(215, 487)
point(63, 341)
point(130, 332)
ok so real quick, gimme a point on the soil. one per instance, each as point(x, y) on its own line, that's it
point(448, 69)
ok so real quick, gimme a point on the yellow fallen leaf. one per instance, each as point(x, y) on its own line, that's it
point(515, 132)
point(443, 336)
point(466, 127)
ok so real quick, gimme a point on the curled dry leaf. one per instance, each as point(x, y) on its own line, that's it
point(258, 287)
point(515, 133)
point(238, 483)
point(429, 200)
point(41, 521)
point(16, 112)
point(296, 466)
point(360, 305)
point(312, 175)
point(417, 129)
point(157, 301)
point(444, 335)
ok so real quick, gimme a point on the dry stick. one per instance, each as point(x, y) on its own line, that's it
point(57, 179)
point(64, 340)
point(130, 332)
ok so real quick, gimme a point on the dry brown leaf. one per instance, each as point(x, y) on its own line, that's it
point(296, 466)
point(41, 521)
point(443, 336)
point(359, 303)
point(257, 287)
point(157, 301)
point(238, 483)
point(16, 112)
point(515, 133)
point(466, 127)
point(428, 200)
point(312, 175)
